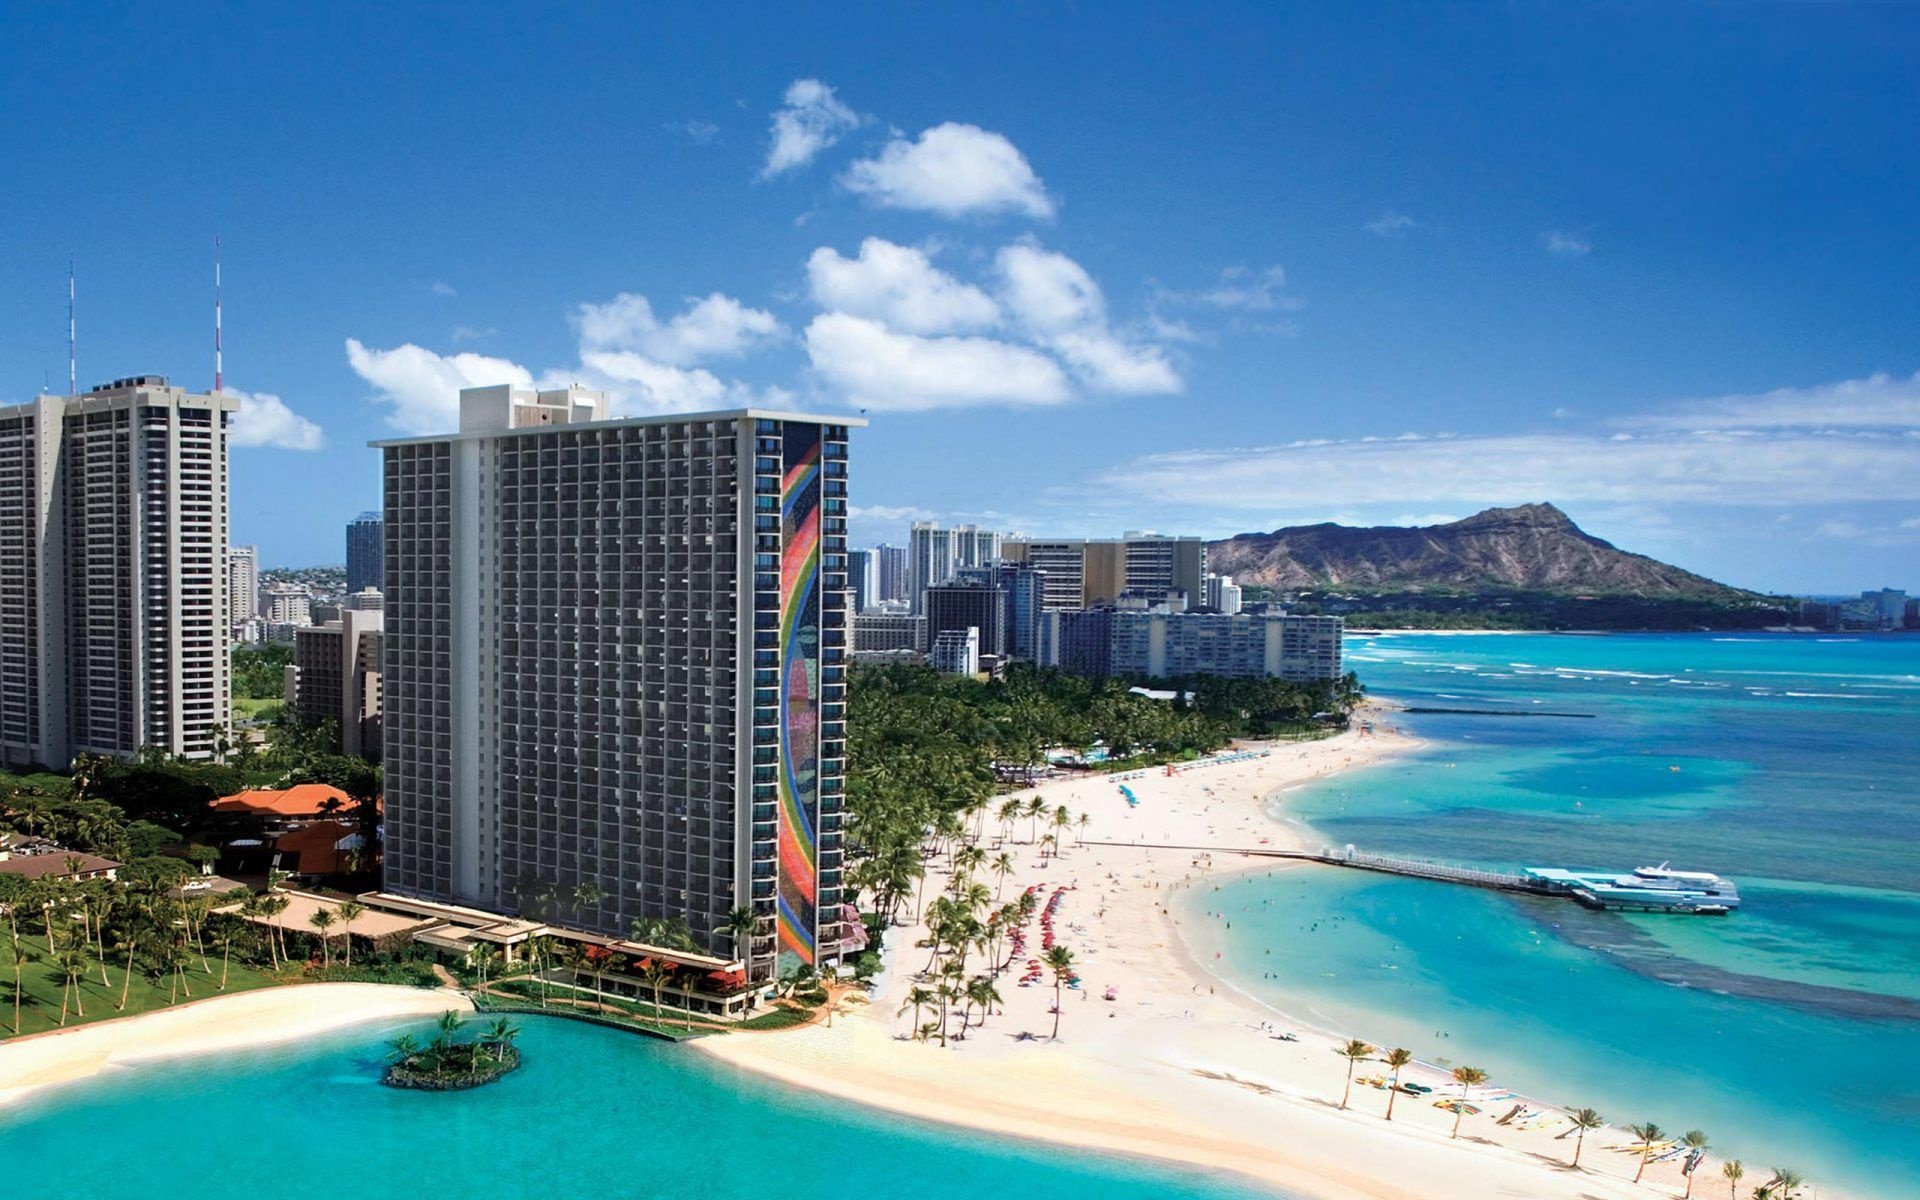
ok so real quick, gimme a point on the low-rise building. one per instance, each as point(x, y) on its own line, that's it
point(1162, 644)
point(37, 858)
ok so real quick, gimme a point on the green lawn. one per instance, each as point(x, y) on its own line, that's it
point(248, 708)
point(41, 985)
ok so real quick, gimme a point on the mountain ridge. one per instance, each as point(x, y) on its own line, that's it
point(1527, 547)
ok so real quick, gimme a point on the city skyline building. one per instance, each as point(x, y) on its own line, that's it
point(366, 552)
point(863, 579)
point(114, 573)
point(1223, 595)
point(615, 657)
point(936, 553)
point(971, 603)
point(1085, 572)
point(335, 676)
point(956, 652)
point(890, 564)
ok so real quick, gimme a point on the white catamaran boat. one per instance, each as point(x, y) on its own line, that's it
point(1646, 889)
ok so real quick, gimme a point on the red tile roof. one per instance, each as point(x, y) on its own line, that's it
point(300, 800)
point(312, 847)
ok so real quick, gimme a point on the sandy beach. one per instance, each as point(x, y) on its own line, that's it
point(257, 1018)
point(1180, 1066)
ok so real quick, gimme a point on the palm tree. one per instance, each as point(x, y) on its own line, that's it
point(1397, 1058)
point(1002, 866)
point(444, 1027)
point(1355, 1052)
point(322, 920)
point(917, 999)
point(1059, 960)
point(483, 959)
point(947, 994)
point(741, 923)
point(1468, 1078)
point(1648, 1134)
point(1583, 1119)
point(1696, 1142)
point(127, 940)
point(1785, 1185)
point(1034, 808)
point(1062, 820)
point(501, 1033)
point(403, 1047)
point(349, 911)
point(18, 953)
point(1732, 1170)
point(73, 966)
point(1009, 813)
point(587, 895)
point(540, 952)
point(1080, 837)
point(656, 973)
point(982, 992)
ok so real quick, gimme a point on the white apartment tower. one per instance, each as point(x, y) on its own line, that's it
point(935, 554)
point(113, 573)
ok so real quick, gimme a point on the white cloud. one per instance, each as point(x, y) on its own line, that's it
point(1565, 245)
point(265, 420)
point(698, 131)
point(638, 386)
point(1712, 468)
point(444, 289)
point(1249, 290)
point(423, 388)
point(1391, 225)
point(1879, 401)
point(879, 368)
point(1061, 307)
point(715, 327)
point(810, 120)
point(468, 333)
point(898, 285)
point(954, 170)
point(890, 512)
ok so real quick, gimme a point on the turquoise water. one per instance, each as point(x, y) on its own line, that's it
point(593, 1112)
point(1789, 1031)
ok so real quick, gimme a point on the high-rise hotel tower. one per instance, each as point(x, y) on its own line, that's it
point(113, 573)
point(615, 668)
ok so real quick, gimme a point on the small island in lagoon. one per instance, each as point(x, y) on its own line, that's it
point(447, 1065)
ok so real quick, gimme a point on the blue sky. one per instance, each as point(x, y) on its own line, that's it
point(1088, 268)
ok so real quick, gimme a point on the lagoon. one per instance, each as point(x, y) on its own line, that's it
point(592, 1112)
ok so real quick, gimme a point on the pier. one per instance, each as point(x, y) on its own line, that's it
point(1566, 885)
point(1415, 868)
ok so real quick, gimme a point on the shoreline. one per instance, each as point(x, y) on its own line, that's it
point(1183, 1067)
point(210, 1025)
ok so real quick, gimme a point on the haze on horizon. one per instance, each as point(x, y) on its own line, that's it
point(1134, 267)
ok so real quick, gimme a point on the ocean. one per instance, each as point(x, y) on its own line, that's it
point(1789, 1030)
point(593, 1112)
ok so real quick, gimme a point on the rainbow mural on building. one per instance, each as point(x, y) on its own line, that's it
point(799, 690)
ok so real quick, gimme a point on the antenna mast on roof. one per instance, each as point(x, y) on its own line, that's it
point(73, 375)
point(218, 379)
